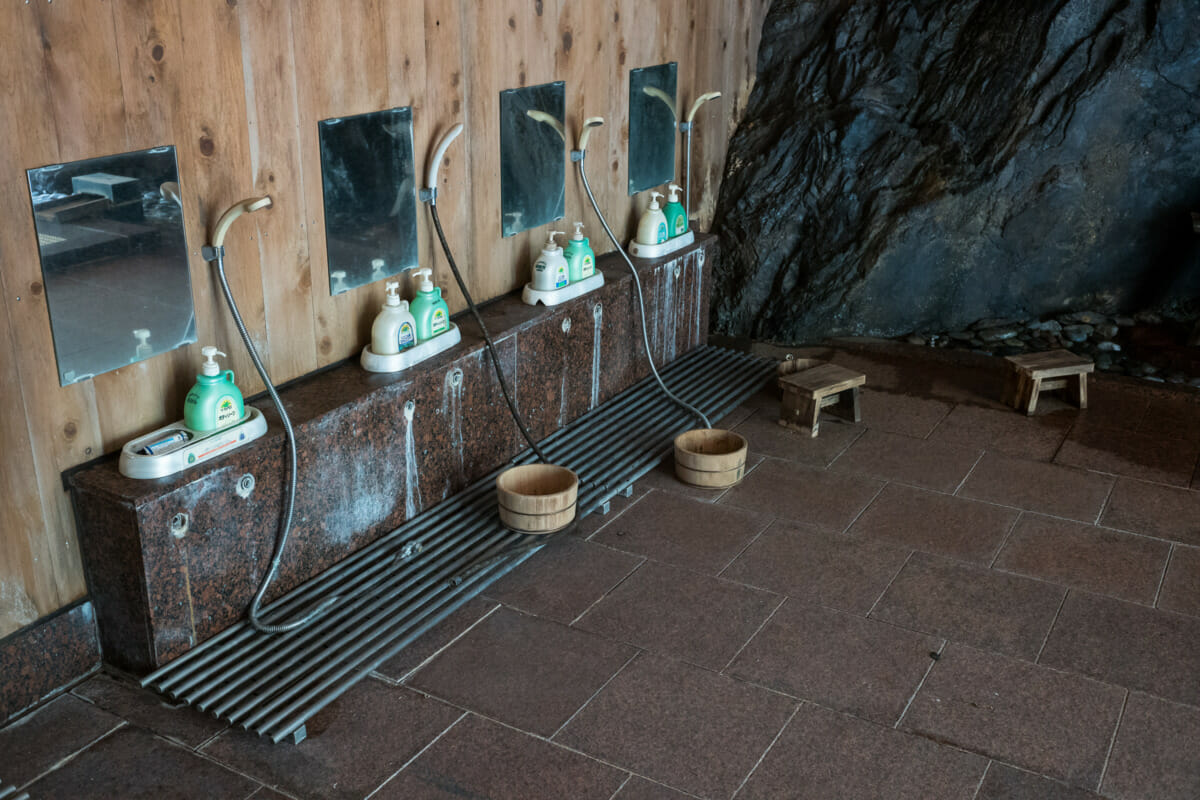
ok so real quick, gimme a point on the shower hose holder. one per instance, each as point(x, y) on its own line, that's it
point(639, 250)
point(552, 297)
point(396, 362)
point(177, 447)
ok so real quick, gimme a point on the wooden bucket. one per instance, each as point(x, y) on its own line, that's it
point(710, 458)
point(537, 498)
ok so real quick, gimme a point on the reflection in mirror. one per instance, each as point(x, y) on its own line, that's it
point(370, 196)
point(652, 118)
point(114, 260)
point(533, 152)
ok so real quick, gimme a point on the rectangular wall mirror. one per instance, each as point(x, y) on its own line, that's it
point(533, 156)
point(370, 196)
point(114, 260)
point(652, 120)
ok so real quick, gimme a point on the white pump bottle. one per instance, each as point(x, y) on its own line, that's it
point(652, 228)
point(550, 270)
point(394, 328)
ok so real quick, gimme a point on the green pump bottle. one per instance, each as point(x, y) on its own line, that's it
point(214, 402)
point(677, 221)
point(428, 308)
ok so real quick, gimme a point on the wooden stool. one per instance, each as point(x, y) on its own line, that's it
point(827, 386)
point(1033, 373)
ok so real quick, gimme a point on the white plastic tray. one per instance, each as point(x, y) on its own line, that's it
point(552, 297)
point(638, 250)
point(396, 362)
point(200, 448)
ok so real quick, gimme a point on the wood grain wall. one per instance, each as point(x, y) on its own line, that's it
point(238, 87)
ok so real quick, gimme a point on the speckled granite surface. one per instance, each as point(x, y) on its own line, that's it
point(157, 595)
point(39, 660)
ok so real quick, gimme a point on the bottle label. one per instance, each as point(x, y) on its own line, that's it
point(560, 278)
point(540, 266)
point(439, 323)
point(662, 232)
point(407, 336)
point(227, 411)
point(588, 266)
point(680, 225)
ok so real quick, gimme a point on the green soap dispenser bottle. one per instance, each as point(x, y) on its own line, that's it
point(677, 221)
point(428, 307)
point(214, 402)
point(581, 260)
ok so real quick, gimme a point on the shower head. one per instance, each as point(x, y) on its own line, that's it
point(232, 213)
point(170, 191)
point(701, 100)
point(658, 93)
point(439, 154)
point(549, 119)
point(588, 124)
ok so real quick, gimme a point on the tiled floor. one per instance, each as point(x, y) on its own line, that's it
point(948, 600)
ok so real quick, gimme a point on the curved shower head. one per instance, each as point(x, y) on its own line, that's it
point(701, 100)
point(439, 154)
point(235, 211)
point(588, 124)
point(548, 119)
point(658, 93)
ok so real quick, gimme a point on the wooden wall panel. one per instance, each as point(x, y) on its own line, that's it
point(238, 88)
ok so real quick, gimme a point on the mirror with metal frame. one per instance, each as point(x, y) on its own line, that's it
point(652, 126)
point(370, 196)
point(533, 156)
point(114, 260)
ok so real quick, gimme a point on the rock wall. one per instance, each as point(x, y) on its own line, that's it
point(919, 165)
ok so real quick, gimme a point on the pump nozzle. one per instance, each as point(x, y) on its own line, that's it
point(210, 365)
point(588, 124)
point(393, 299)
point(701, 100)
point(424, 279)
point(578, 235)
point(674, 188)
point(654, 196)
point(550, 243)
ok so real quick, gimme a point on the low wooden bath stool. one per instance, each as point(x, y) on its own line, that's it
point(1033, 373)
point(826, 386)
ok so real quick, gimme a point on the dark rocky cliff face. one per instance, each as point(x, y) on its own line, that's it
point(920, 164)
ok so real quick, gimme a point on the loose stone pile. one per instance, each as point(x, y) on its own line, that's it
point(1102, 337)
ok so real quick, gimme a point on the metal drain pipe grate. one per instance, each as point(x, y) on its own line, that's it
point(406, 582)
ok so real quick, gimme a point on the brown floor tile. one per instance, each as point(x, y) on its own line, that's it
point(936, 523)
point(685, 615)
point(880, 373)
point(479, 759)
point(353, 745)
point(1155, 754)
point(1133, 454)
point(642, 789)
point(924, 463)
point(662, 478)
point(1177, 417)
point(42, 738)
point(1085, 557)
point(839, 660)
point(810, 496)
point(268, 794)
point(1155, 510)
point(680, 724)
point(563, 579)
point(133, 764)
point(818, 567)
point(1004, 431)
point(148, 710)
point(735, 417)
point(1130, 645)
point(617, 506)
point(1051, 722)
point(824, 754)
point(1181, 586)
point(1009, 783)
point(522, 670)
point(436, 638)
point(906, 414)
point(767, 437)
point(1033, 486)
point(971, 604)
point(682, 531)
point(1113, 405)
